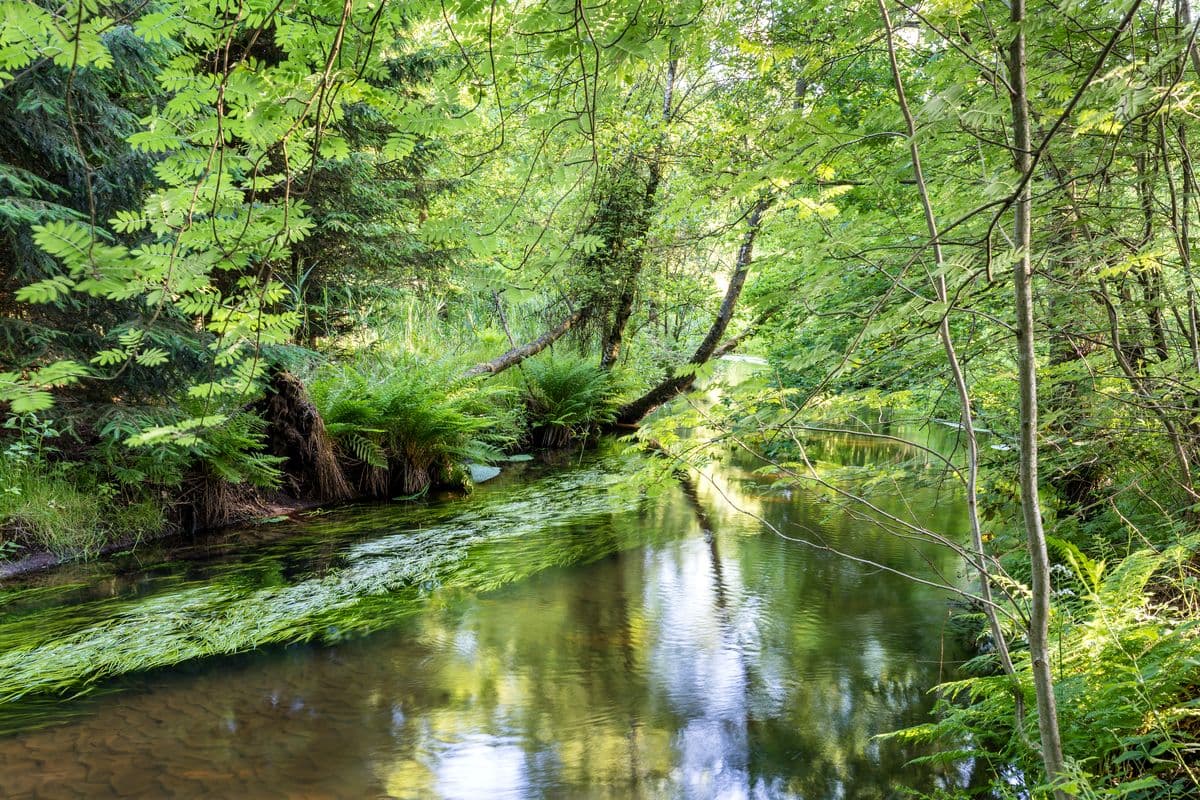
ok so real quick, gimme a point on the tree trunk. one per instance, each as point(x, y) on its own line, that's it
point(674, 384)
point(960, 382)
point(1039, 651)
point(614, 334)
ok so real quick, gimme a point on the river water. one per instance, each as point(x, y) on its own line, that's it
point(562, 633)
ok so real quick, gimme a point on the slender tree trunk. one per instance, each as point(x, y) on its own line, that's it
point(960, 381)
point(1039, 621)
point(1144, 391)
point(1185, 15)
point(1181, 209)
point(1151, 281)
point(635, 257)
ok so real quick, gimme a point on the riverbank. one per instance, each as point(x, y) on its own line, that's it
point(46, 560)
point(270, 509)
point(388, 427)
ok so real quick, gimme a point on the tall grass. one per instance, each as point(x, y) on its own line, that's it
point(62, 509)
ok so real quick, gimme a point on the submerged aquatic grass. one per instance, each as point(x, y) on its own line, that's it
point(368, 585)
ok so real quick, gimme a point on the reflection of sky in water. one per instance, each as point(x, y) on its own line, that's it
point(690, 664)
point(714, 658)
point(480, 766)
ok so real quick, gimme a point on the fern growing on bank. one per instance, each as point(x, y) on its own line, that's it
point(567, 398)
point(72, 509)
point(1127, 664)
point(231, 450)
point(407, 425)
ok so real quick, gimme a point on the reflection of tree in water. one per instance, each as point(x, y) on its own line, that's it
point(770, 668)
point(843, 654)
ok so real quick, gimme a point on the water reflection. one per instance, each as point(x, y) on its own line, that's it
point(700, 657)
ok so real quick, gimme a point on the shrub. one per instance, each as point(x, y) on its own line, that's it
point(151, 445)
point(1127, 677)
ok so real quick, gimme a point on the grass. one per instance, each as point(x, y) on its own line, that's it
point(61, 510)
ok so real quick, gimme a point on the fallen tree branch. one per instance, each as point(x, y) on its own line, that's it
point(518, 354)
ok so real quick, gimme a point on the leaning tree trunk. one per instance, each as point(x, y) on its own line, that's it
point(1039, 650)
point(675, 384)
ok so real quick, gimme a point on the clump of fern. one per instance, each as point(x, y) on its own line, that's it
point(567, 398)
point(232, 449)
point(1127, 677)
point(408, 424)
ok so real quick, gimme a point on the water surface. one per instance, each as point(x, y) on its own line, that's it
point(562, 633)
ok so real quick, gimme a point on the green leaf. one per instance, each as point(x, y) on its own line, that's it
point(152, 357)
point(106, 358)
point(45, 291)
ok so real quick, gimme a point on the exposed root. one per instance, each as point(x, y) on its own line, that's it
point(409, 477)
point(209, 501)
point(553, 437)
point(296, 432)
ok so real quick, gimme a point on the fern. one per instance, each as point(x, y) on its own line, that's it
point(412, 417)
point(568, 397)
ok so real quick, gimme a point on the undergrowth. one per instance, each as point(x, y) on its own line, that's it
point(1127, 671)
point(405, 425)
point(62, 509)
point(566, 398)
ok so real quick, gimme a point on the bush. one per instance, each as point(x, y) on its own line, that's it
point(1127, 677)
point(135, 457)
point(167, 452)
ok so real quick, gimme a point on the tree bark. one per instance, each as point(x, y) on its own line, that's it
point(708, 348)
point(518, 354)
point(960, 382)
point(614, 334)
point(1039, 651)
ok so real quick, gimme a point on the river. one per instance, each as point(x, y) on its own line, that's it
point(562, 633)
